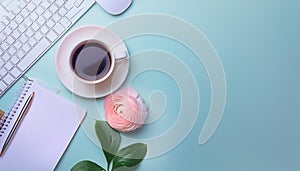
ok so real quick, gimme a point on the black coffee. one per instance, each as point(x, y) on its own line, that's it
point(91, 61)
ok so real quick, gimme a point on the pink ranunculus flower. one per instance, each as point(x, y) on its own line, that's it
point(125, 110)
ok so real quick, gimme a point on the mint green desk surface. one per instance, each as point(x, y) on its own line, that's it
point(258, 43)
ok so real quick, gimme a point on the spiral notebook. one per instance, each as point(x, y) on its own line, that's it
point(44, 133)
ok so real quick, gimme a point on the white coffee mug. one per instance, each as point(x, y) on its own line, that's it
point(92, 61)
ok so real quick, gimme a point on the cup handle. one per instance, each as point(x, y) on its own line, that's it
point(120, 55)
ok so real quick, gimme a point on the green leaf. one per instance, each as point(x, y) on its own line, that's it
point(130, 156)
point(109, 139)
point(86, 166)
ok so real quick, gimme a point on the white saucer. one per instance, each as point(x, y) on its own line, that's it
point(66, 75)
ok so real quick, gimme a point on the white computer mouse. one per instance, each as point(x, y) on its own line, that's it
point(114, 7)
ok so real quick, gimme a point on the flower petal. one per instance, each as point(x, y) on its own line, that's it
point(125, 110)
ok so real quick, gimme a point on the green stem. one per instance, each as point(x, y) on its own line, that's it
point(108, 165)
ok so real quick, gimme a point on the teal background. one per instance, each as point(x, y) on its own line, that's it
point(258, 43)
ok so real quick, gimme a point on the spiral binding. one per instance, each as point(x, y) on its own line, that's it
point(20, 95)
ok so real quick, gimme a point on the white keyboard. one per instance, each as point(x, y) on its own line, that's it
point(28, 28)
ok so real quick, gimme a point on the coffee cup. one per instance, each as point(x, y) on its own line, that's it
point(92, 61)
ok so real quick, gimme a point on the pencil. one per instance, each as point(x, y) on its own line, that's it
point(23, 112)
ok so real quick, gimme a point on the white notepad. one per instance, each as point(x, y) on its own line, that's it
point(45, 131)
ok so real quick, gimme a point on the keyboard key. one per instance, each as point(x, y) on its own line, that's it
point(5, 20)
point(8, 79)
point(12, 51)
point(77, 3)
point(69, 5)
point(37, 2)
point(53, 9)
point(19, 19)
point(38, 36)
point(4, 45)
point(10, 40)
point(25, 13)
point(39, 11)
point(1, 63)
point(20, 54)
point(52, 1)
point(22, 4)
point(16, 10)
point(7, 31)
point(16, 72)
point(56, 17)
point(35, 26)
point(29, 33)
point(22, 28)
point(27, 22)
point(32, 42)
point(17, 45)
point(41, 21)
point(10, 16)
point(2, 87)
point(15, 60)
point(8, 65)
point(16, 34)
point(51, 35)
point(60, 3)
point(5, 57)
point(47, 15)
point(23, 38)
point(72, 13)
point(2, 37)
point(65, 22)
point(26, 47)
point(58, 28)
point(6, 3)
point(13, 25)
point(31, 7)
point(62, 11)
point(31, 56)
point(45, 4)
point(50, 23)
point(44, 30)
point(3, 72)
point(33, 16)
point(2, 26)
